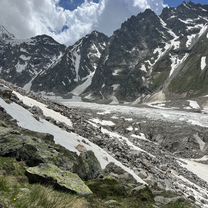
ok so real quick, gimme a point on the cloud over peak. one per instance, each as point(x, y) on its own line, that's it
point(28, 18)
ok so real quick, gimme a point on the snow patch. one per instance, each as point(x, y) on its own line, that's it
point(46, 111)
point(102, 122)
point(201, 170)
point(77, 59)
point(82, 87)
point(176, 62)
point(194, 105)
point(24, 58)
point(20, 67)
point(203, 63)
point(190, 40)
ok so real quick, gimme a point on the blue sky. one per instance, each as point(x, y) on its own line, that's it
point(174, 3)
point(73, 4)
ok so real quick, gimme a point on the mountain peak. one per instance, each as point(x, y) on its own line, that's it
point(4, 34)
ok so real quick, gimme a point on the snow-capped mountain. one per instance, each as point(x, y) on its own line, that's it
point(75, 68)
point(22, 60)
point(148, 51)
point(149, 56)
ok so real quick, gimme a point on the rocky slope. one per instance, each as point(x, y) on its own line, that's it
point(78, 173)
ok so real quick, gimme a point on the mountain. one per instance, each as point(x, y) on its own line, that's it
point(22, 60)
point(148, 51)
point(75, 68)
point(149, 57)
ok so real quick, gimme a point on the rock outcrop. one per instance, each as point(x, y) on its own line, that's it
point(52, 175)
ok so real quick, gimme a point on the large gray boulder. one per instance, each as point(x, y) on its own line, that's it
point(87, 166)
point(52, 175)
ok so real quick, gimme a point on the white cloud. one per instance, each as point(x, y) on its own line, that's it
point(26, 18)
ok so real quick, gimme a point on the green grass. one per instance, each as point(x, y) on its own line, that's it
point(44, 197)
point(4, 185)
point(178, 204)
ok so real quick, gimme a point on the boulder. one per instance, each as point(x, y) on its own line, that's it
point(112, 204)
point(117, 172)
point(63, 180)
point(87, 166)
point(106, 187)
point(35, 148)
point(143, 192)
point(5, 92)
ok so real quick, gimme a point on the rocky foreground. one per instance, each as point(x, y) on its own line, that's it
point(100, 159)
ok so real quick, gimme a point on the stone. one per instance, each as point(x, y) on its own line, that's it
point(143, 192)
point(115, 171)
point(5, 92)
point(81, 148)
point(64, 180)
point(192, 198)
point(87, 166)
point(112, 203)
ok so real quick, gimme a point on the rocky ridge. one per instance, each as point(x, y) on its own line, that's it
point(149, 57)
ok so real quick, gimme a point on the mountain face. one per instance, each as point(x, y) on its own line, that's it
point(75, 68)
point(149, 56)
point(22, 60)
point(149, 52)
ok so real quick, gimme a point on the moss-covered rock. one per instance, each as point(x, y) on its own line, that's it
point(106, 187)
point(34, 148)
point(143, 192)
point(118, 173)
point(87, 166)
point(65, 180)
